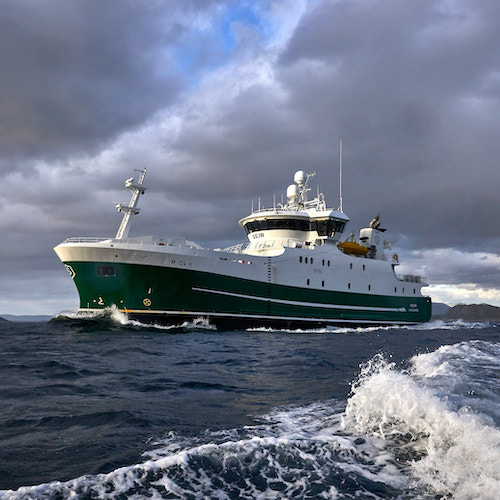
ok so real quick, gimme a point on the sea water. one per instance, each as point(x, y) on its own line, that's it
point(102, 407)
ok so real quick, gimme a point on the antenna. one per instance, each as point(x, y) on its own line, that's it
point(340, 161)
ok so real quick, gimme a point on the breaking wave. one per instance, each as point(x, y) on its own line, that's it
point(113, 317)
point(438, 418)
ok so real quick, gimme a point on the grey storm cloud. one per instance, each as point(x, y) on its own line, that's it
point(74, 74)
point(414, 90)
point(92, 89)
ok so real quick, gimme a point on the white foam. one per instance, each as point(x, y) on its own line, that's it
point(111, 312)
point(450, 451)
point(458, 324)
point(431, 325)
point(299, 448)
point(121, 318)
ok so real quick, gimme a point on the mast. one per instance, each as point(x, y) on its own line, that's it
point(131, 208)
point(340, 182)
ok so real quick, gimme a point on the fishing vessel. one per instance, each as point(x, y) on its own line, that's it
point(296, 270)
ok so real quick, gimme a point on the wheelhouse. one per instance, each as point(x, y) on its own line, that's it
point(298, 222)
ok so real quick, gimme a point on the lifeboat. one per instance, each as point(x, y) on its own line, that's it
point(353, 248)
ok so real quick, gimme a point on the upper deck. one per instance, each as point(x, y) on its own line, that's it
point(300, 221)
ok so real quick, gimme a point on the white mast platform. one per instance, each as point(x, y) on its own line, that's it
point(131, 208)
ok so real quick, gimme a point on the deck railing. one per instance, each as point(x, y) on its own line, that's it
point(411, 278)
point(85, 239)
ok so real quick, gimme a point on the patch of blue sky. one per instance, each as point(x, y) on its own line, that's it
point(244, 13)
point(205, 48)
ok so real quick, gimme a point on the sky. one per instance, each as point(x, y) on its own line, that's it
point(222, 101)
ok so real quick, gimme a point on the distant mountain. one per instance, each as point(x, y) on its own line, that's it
point(3, 319)
point(438, 308)
point(26, 318)
point(473, 312)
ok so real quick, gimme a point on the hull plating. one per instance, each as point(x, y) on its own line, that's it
point(165, 295)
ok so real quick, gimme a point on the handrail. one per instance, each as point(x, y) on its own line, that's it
point(85, 239)
point(411, 278)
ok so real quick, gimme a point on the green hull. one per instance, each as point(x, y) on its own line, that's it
point(169, 296)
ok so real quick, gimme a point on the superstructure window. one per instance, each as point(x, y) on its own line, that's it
point(326, 227)
point(265, 224)
point(105, 270)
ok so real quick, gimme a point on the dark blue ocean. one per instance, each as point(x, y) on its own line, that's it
point(101, 407)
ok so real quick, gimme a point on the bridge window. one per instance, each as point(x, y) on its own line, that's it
point(266, 224)
point(327, 227)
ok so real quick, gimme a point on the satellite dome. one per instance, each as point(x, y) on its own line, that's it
point(292, 192)
point(300, 177)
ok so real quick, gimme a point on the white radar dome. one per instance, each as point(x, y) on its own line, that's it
point(300, 177)
point(292, 192)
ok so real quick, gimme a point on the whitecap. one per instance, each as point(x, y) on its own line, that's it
point(447, 448)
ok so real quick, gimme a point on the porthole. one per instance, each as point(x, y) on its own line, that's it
point(369, 287)
point(311, 260)
point(350, 265)
point(363, 267)
point(349, 286)
point(322, 283)
point(300, 258)
point(308, 281)
point(328, 263)
point(306, 260)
